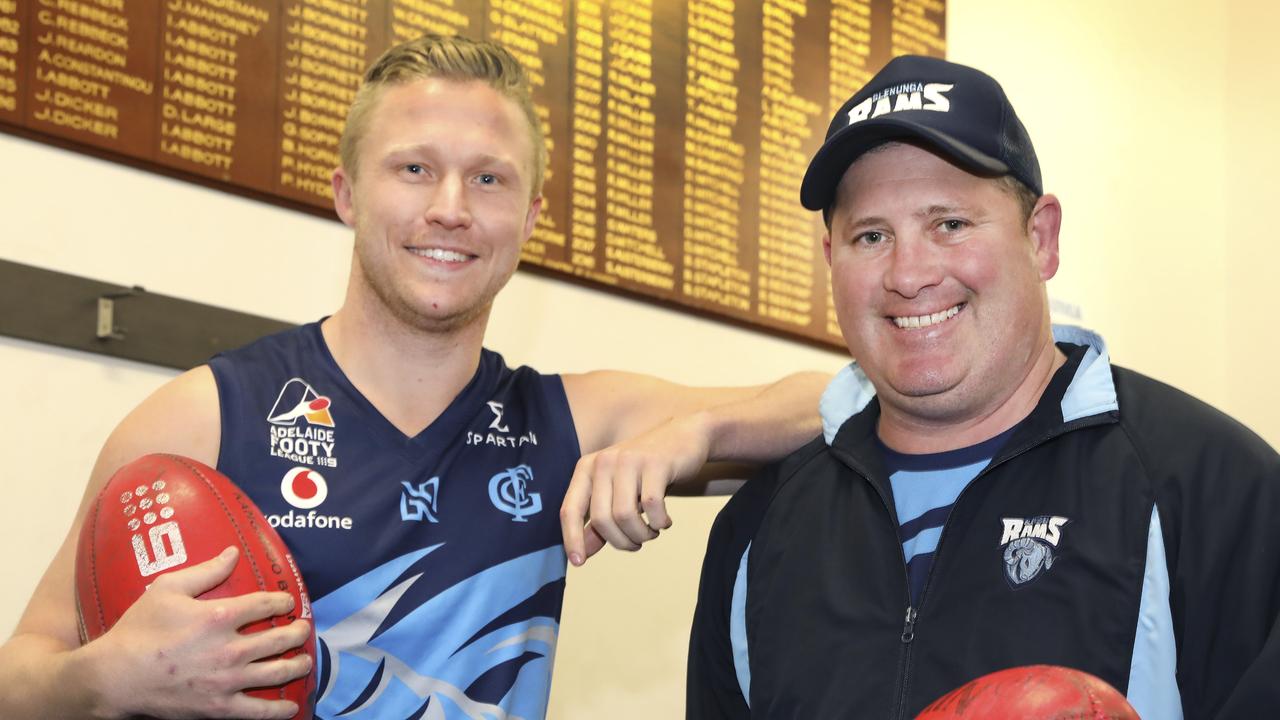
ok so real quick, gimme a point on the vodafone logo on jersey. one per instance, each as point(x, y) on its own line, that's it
point(304, 488)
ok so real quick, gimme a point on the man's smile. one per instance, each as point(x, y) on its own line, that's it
point(912, 322)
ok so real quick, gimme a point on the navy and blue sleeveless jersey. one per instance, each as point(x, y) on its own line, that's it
point(434, 563)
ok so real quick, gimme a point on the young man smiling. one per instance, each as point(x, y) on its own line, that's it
point(437, 590)
point(989, 491)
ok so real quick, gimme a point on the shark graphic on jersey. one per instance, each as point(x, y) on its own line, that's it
point(436, 578)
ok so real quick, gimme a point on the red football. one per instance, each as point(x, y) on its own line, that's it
point(161, 513)
point(1034, 692)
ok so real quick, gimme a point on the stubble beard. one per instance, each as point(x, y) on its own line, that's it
point(399, 304)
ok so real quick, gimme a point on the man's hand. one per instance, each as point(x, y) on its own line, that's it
point(174, 656)
point(623, 488)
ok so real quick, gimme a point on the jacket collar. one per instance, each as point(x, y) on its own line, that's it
point(1090, 391)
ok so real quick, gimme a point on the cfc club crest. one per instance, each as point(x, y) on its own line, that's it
point(509, 491)
point(1028, 545)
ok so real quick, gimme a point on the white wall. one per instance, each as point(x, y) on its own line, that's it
point(1153, 124)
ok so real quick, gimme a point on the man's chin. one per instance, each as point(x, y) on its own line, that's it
point(931, 398)
point(924, 383)
point(438, 315)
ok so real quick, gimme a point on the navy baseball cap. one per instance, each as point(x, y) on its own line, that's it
point(956, 110)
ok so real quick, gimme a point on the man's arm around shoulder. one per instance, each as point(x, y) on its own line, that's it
point(639, 435)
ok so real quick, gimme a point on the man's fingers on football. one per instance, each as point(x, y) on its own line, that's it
point(573, 513)
point(276, 671)
point(653, 489)
point(244, 706)
point(274, 641)
point(255, 606)
point(201, 577)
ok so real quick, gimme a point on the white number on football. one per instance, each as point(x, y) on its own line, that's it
point(165, 556)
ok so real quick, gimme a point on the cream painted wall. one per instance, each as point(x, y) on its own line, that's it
point(1154, 127)
point(1128, 125)
point(1251, 102)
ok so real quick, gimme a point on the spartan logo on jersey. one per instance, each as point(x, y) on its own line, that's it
point(496, 407)
point(297, 399)
point(906, 96)
point(1028, 545)
point(503, 437)
point(307, 443)
point(419, 503)
point(509, 491)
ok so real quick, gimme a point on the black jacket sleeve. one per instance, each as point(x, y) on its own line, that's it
point(1217, 488)
point(713, 690)
point(1229, 649)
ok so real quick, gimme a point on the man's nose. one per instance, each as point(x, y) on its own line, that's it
point(915, 264)
point(449, 206)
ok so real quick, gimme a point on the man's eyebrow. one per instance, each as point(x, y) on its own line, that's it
point(404, 151)
point(936, 210)
point(409, 149)
point(866, 222)
point(487, 159)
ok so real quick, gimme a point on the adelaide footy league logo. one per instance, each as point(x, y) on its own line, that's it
point(1028, 546)
point(310, 442)
point(297, 399)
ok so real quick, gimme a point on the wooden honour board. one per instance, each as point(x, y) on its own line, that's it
point(678, 131)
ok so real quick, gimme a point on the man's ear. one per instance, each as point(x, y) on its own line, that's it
point(826, 247)
point(342, 202)
point(531, 219)
point(1042, 228)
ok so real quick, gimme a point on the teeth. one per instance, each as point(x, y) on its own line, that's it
point(439, 254)
point(923, 321)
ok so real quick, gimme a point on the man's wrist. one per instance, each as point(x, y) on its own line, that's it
point(85, 670)
point(710, 424)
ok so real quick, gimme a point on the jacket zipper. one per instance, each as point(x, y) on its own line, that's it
point(908, 634)
point(912, 613)
point(909, 621)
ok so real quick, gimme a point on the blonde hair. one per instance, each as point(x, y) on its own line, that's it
point(453, 58)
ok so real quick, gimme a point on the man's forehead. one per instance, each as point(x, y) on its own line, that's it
point(464, 107)
point(906, 159)
point(903, 161)
point(436, 94)
point(912, 178)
